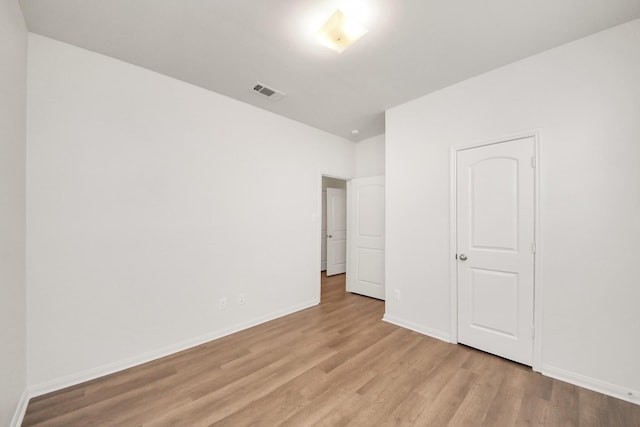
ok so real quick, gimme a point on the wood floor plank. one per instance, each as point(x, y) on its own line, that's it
point(473, 409)
point(325, 403)
point(336, 364)
point(592, 409)
point(442, 409)
point(621, 413)
point(87, 400)
point(506, 405)
point(564, 409)
point(533, 412)
point(220, 403)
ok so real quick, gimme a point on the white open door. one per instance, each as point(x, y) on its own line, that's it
point(495, 198)
point(336, 231)
point(365, 262)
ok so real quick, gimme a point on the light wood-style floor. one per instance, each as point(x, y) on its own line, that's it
point(331, 365)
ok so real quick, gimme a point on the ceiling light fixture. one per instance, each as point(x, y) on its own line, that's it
point(340, 31)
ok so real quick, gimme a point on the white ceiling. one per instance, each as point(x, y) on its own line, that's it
point(414, 47)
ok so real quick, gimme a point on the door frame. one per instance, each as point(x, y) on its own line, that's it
point(453, 264)
point(318, 219)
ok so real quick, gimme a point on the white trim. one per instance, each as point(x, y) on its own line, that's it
point(323, 232)
point(592, 384)
point(453, 270)
point(453, 248)
point(538, 320)
point(318, 217)
point(574, 378)
point(348, 282)
point(100, 371)
point(433, 333)
point(513, 137)
point(21, 409)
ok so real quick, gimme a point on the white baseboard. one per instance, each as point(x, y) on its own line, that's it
point(592, 384)
point(443, 336)
point(18, 415)
point(78, 378)
point(100, 371)
point(323, 265)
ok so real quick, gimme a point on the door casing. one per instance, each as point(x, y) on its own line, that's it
point(453, 264)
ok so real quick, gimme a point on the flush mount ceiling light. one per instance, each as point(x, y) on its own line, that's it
point(340, 31)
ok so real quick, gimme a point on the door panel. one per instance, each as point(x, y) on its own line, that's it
point(336, 231)
point(494, 301)
point(365, 271)
point(495, 229)
point(371, 266)
point(494, 203)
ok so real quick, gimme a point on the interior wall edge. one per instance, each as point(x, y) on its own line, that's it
point(574, 378)
point(433, 333)
point(593, 384)
point(57, 384)
point(21, 409)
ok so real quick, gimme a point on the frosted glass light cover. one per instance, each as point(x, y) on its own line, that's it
point(340, 31)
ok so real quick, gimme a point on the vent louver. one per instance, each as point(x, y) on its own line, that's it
point(267, 91)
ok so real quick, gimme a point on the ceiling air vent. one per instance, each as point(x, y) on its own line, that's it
point(267, 91)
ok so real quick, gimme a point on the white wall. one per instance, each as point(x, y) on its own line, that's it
point(13, 95)
point(370, 157)
point(584, 98)
point(148, 200)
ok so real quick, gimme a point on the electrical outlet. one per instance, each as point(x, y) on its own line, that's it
point(241, 298)
point(396, 294)
point(222, 304)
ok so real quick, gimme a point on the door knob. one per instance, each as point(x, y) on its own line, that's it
point(329, 236)
point(463, 257)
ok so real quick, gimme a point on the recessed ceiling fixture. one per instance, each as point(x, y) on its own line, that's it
point(267, 91)
point(340, 31)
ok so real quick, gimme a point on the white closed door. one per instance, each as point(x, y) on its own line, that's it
point(495, 248)
point(336, 231)
point(365, 262)
point(323, 247)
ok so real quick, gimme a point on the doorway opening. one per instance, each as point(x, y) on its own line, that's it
point(334, 226)
point(352, 234)
point(333, 252)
